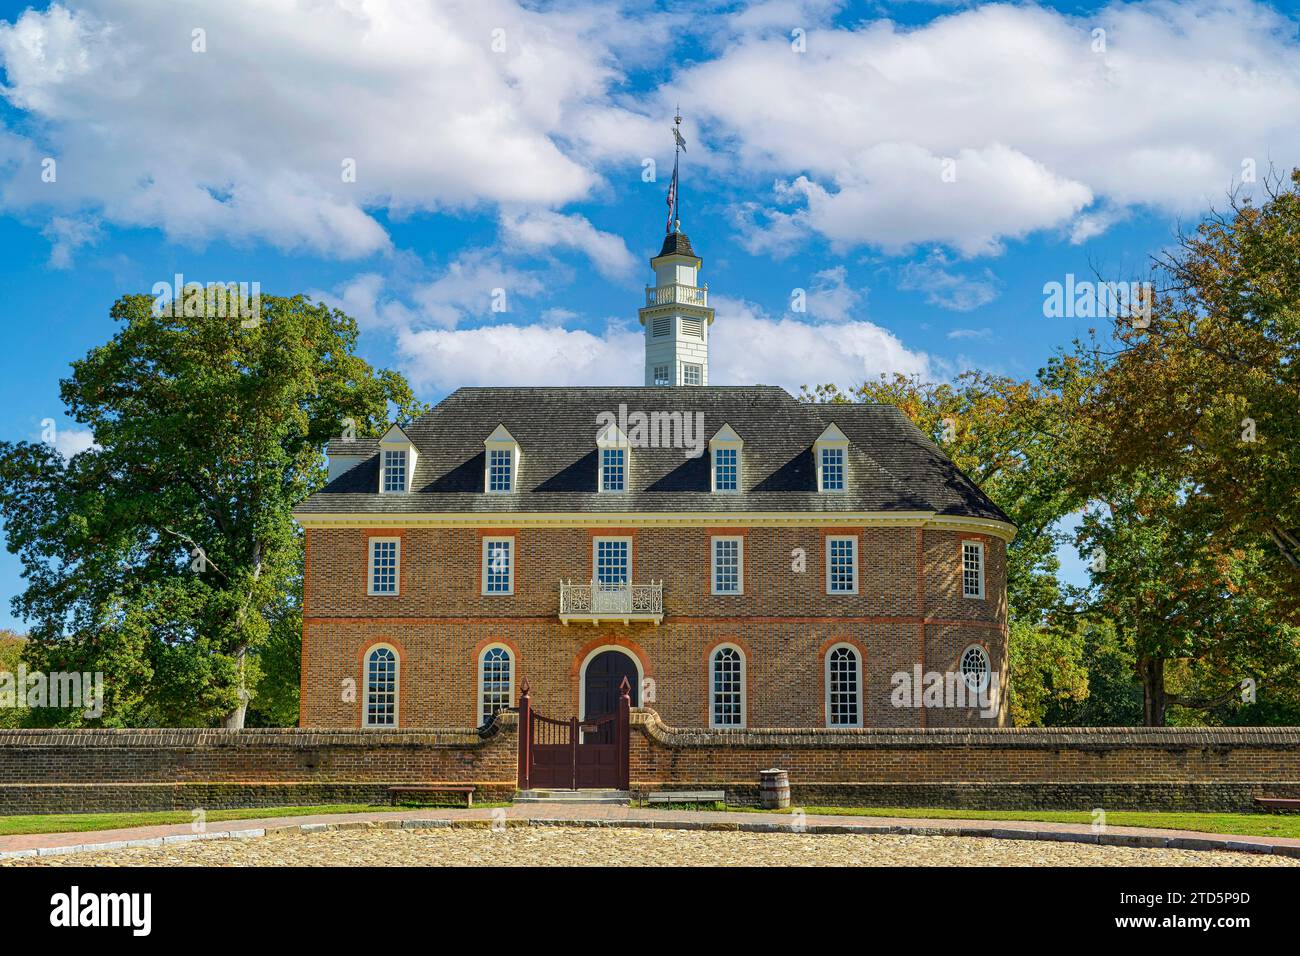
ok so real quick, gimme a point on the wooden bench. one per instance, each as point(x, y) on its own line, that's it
point(395, 792)
point(688, 796)
point(1285, 804)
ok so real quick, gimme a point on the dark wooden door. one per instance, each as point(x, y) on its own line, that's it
point(605, 673)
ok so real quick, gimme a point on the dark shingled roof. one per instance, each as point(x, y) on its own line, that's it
point(892, 466)
point(676, 244)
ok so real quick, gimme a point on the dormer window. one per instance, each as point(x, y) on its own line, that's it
point(396, 462)
point(726, 447)
point(612, 457)
point(501, 462)
point(831, 454)
point(394, 470)
point(613, 469)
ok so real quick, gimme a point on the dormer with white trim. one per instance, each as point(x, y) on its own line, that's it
point(500, 462)
point(397, 456)
point(726, 459)
point(831, 455)
point(613, 459)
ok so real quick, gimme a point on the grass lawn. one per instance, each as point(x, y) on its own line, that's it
point(1243, 824)
point(79, 822)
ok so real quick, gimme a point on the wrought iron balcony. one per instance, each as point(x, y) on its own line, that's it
point(676, 293)
point(595, 601)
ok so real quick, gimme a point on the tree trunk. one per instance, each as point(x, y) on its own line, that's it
point(1151, 671)
point(235, 719)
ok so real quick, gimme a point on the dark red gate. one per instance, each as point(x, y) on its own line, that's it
point(573, 754)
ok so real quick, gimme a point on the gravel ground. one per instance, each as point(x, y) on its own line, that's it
point(574, 846)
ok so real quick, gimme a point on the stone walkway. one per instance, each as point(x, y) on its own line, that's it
point(607, 834)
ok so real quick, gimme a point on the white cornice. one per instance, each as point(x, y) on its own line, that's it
point(678, 519)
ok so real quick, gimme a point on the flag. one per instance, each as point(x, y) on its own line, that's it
point(672, 199)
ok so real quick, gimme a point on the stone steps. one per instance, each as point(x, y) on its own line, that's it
point(620, 798)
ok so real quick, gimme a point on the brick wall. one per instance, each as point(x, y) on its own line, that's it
point(440, 622)
point(993, 768)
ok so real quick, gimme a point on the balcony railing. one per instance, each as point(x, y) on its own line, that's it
point(595, 601)
point(672, 294)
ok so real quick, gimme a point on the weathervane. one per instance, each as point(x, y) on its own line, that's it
point(674, 223)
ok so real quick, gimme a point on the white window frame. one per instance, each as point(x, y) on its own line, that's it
point(740, 564)
point(626, 458)
point(978, 547)
point(479, 701)
point(826, 684)
point(713, 688)
point(843, 466)
point(510, 568)
point(595, 550)
point(699, 368)
point(370, 566)
point(385, 467)
point(856, 561)
point(509, 454)
point(716, 452)
point(988, 667)
point(397, 687)
point(500, 440)
point(666, 378)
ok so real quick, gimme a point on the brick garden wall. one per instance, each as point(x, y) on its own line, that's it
point(46, 771)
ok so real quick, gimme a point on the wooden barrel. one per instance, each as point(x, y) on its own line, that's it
point(774, 789)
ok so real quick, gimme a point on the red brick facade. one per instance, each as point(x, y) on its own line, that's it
point(908, 610)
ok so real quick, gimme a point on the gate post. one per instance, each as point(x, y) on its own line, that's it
point(525, 735)
point(624, 735)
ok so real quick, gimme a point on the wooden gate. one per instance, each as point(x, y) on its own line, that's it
point(573, 754)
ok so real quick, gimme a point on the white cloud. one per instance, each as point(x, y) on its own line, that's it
point(67, 235)
point(69, 442)
point(831, 298)
point(970, 333)
point(1041, 126)
point(544, 230)
point(248, 139)
point(948, 289)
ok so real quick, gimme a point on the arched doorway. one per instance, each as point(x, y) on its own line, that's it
point(601, 679)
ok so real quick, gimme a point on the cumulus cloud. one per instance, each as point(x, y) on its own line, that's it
point(253, 137)
point(544, 231)
point(1043, 124)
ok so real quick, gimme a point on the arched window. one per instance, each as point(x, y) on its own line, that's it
point(381, 688)
point(843, 687)
point(495, 682)
point(975, 667)
point(727, 687)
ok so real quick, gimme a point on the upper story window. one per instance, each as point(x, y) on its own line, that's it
point(726, 448)
point(394, 470)
point(501, 461)
point(841, 564)
point(613, 469)
point(972, 569)
point(832, 469)
point(500, 470)
point(726, 469)
point(495, 682)
point(728, 570)
point(843, 680)
point(396, 461)
point(661, 375)
point(612, 560)
point(498, 566)
point(385, 565)
point(727, 687)
point(692, 374)
point(381, 688)
point(831, 454)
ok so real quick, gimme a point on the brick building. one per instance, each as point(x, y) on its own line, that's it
point(744, 559)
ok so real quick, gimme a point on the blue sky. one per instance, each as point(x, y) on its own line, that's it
point(499, 145)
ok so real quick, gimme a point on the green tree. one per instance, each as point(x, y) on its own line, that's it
point(166, 555)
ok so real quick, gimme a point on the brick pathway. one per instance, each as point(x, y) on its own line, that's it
point(614, 816)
